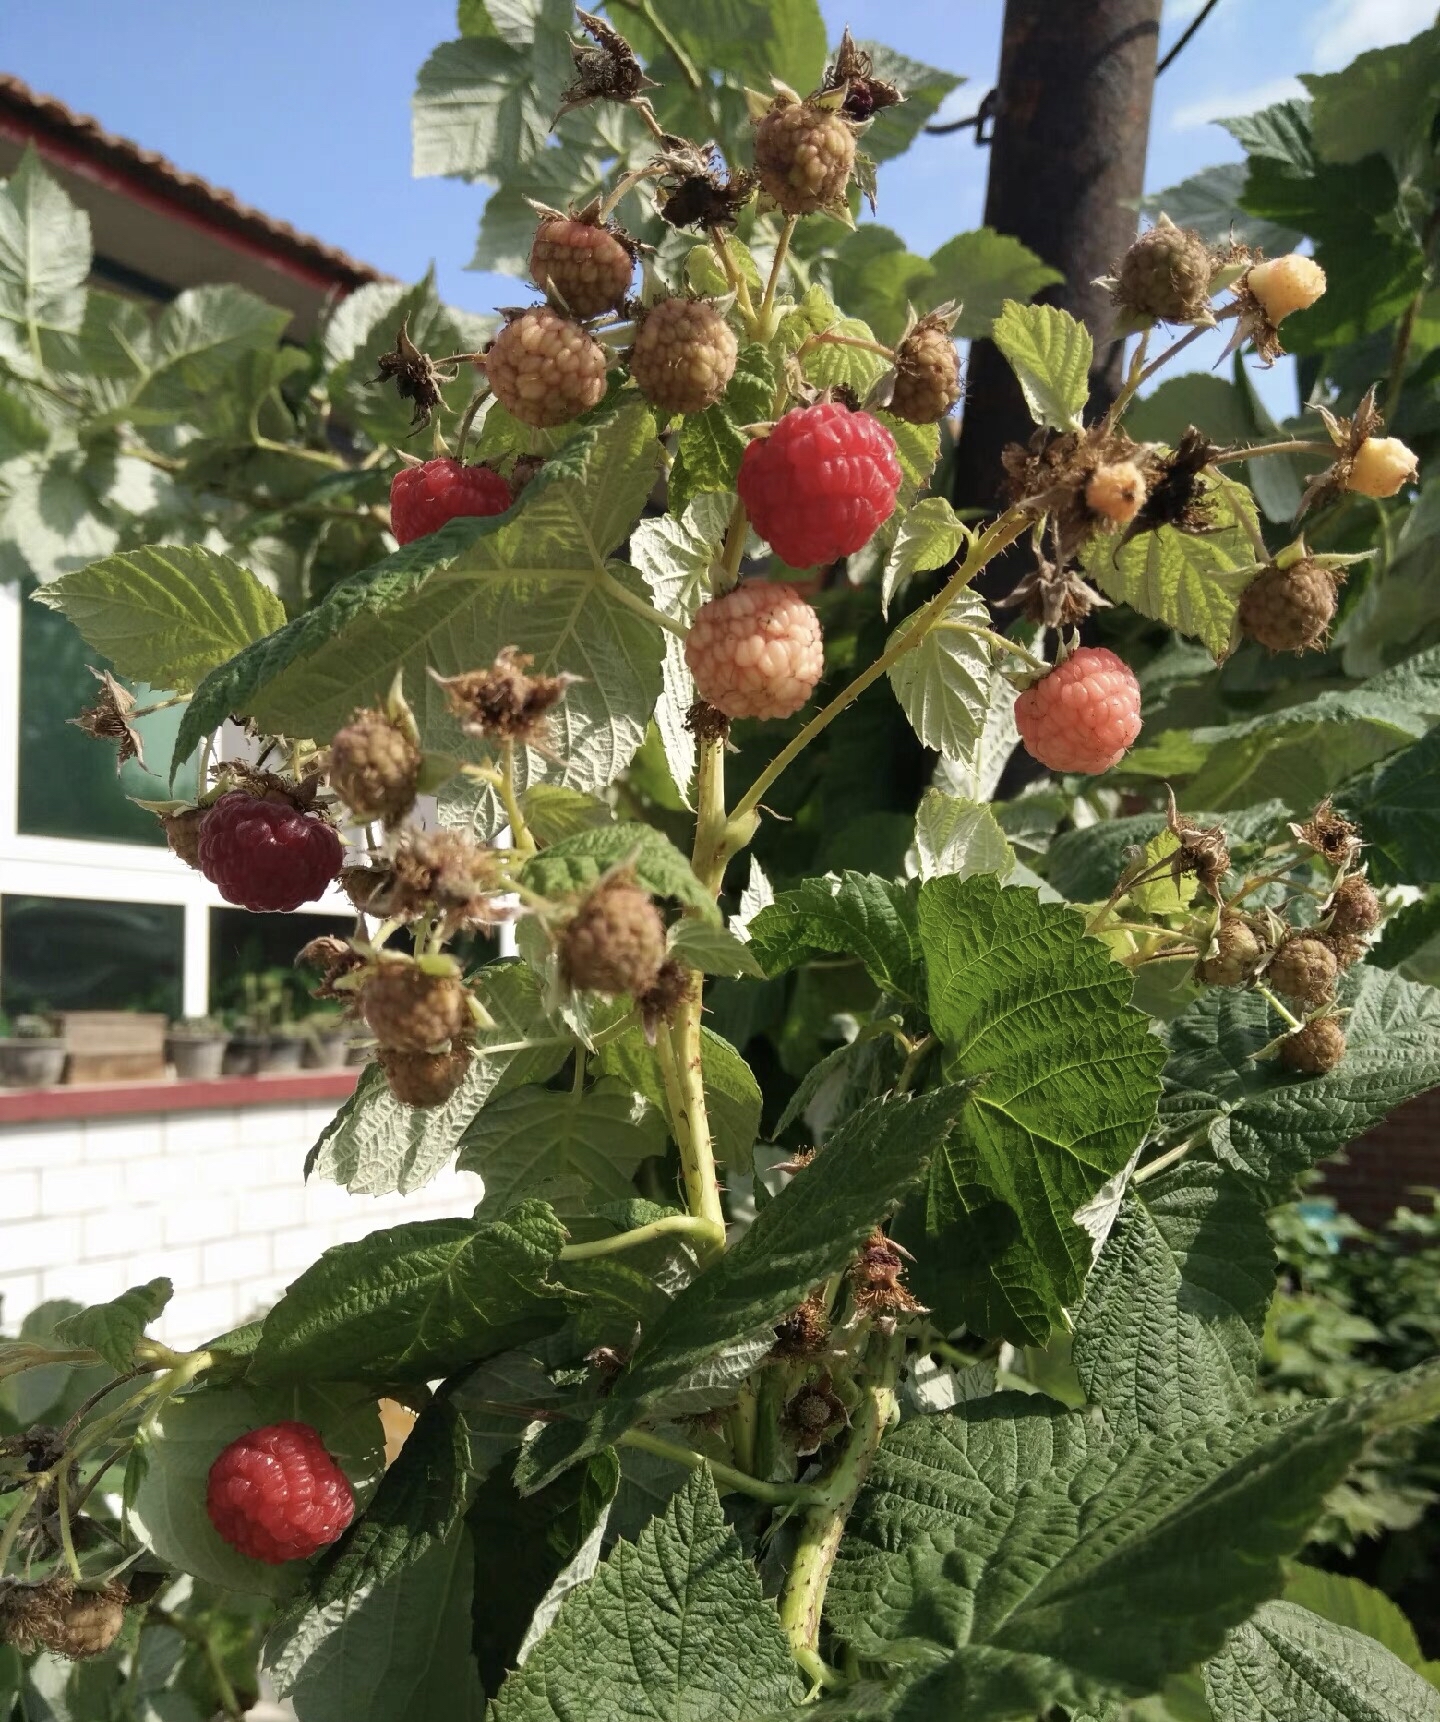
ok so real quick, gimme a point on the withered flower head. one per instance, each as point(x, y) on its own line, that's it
point(415, 375)
point(813, 1415)
point(854, 72)
point(332, 958)
point(696, 189)
point(875, 1278)
point(365, 885)
point(1051, 478)
point(109, 719)
point(504, 703)
point(1177, 494)
point(660, 1004)
point(439, 870)
point(182, 833)
point(607, 72)
point(1349, 437)
point(707, 722)
point(1203, 850)
point(1330, 835)
point(1055, 597)
point(805, 1331)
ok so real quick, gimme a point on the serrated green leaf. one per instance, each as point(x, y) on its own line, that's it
point(113, 1328)
point(673, 1625)
point(182, 1439)
point(810, 1230)
point(575, 863)
point(1289, 1665)
point(1271, 1124)
point(1381, 103)
point(534, 1139)
point(1169, 1332)
point(929, 536)
point(1050, 353)
point(416, 1302)
point(1022, 1544)
point(849, 914)
point(1190, 581)
point(981, 271)
point(1348, 1601)
point(553, 813)
point(894, 129)
point(1397, 804)
point(1065, 1073)
point(375, 1144)
point(1211, 202)
point(711, 443)
point(418, 1504)
point(944, 684)
point(44, 257)
point(959, 837)
point(194, 346)
point(394, 1652)
point(168, 614)
point(712, 950)
point(877, 279)
point(732, 1095)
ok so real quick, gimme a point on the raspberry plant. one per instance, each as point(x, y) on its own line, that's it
point(862, 1315)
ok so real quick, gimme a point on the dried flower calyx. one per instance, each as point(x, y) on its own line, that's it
point(505, 703)
point(111, 719)
point(853, 71)
point(416, 376)
point(608, 71)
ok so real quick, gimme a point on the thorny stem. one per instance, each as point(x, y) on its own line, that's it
point(697, 1150)
point(803, 1597)
point(767, 304)
point(197, 1635)
point(1153, 1168)
point(773, 1494)
point(671, 1225)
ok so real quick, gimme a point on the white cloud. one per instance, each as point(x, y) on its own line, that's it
point(1348, 27)
point(1223, 104)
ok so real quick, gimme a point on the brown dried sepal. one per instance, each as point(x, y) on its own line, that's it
point(1329, 834)
point(504, 703)
point(706, 722)
point(58, 1616)
point(660, 1003)
point(696, 189)
point(875, 1279)
point(332, 959)
point(416, 376)
point(444, 872)
point(182, 833)
point(109, 719)
point(814, 1415)
point(1049, 478)
point(1349, 437)
point(805, 1332)
point(1054, 597)
point(1177, 494)
point(607, 72)
point(853, 71)
point(1202, 850)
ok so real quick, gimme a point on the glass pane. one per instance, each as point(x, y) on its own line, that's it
point(60, 953)
point(68, 786)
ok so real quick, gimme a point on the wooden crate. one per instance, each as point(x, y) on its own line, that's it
point(114, 1045)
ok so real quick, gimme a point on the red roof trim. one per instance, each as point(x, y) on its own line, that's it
point(117, 1099)
point(82, 145)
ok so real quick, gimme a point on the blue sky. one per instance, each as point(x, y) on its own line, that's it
point(303, 109)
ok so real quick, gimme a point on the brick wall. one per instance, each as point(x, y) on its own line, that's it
point(214, 1199)
point(1378, 1172)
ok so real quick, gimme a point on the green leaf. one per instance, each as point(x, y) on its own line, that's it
point(418, 1505)
point(1169, 1333)
point(166, 615)
point(673, 1625)
point(1050, 354)
point(1196, 398)
point(732, 1095)
point(752, 41)
point(375, 1144)
point(181, 1440)
point(711, 443)
point(113, 1328)
point(1210, 202)
point(981, 271)
point(930, 535)
point(1024, 1546)
point(44, 258)
point(395, 1652)
point(944, 684)
point(1190, 581)
point(195, 345)
point(1064, 1071)
point(533, 1140)
point(1271, 1125)
point(1397, 804)
point(575, 863)
point(1347, 1601)
point(849, 914)
point(552, 812)
point(1382, 103)
point(712, 950)
point(810, 1230)
point(877, 279)
point(416, 1302)
point(483, 106)
point(960, 837)
point(1289, 1665)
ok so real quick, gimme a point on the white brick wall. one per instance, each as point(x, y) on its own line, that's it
point(213, 1199)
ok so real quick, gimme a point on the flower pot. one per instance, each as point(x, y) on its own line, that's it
point(196, 1057)
point(326, 1049)
point(31, 1063)
point(283, 1052)
point(359, 1047)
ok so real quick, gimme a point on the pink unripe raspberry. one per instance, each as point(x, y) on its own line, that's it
point(1117, 491)
point(582, 265)
point(818, 487)
point(277, 1495)
point(1084, 715)
point(1286, 284)
point(684, 355)
point(545, 369)
point(757, 652)
point(1382, 466)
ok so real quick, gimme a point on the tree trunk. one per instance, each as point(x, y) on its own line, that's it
point(1067, 166)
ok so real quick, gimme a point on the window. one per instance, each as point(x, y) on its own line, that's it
point(57, 953)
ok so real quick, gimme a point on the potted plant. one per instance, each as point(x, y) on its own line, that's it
point(265, 1039)
point(32, 1055)
point(327, 1039)
point(196, 1045)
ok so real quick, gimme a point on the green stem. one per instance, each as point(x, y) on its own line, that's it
point(912, 1063)
point(774, 1391)
point(1153, 1168)
point(1288, 1015)
point(1287, 445)
point(622, 594)
point(803, 1598)
point(773, 1494)
point(687, 66)
point(739, 286)
point(1003, 533)
point(521, 839)
point(732, 552)
point(767, 304)
point(744, 1423)
point(672, 1225)
point(697, 1150)
point(315, 455)
point(18, 1514)
point(197, 1635)
point(62, 1510)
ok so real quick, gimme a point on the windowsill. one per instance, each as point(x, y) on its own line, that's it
point(116, 1099)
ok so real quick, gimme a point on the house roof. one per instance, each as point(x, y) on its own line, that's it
point(158, 229)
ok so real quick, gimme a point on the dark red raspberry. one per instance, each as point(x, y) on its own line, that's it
point(584, 266)
point(277, 1495)
point(267, 855)
point(820, 484)
point(423, 498)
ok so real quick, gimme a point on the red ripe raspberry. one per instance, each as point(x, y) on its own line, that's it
point(267, 855)
point(1084, 715)
point(820, 484)
point(423, 498)
point(545, 369)
point(757, 652)
point(277, 1495)
point(584, 267)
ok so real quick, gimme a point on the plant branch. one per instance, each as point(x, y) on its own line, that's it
point(521, 839)
point(197, 1635)
point(773, 1494)
point(622, 594)
point(705, 1233)
point(1287, 445)
point(767, 304)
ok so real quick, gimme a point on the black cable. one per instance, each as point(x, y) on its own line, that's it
point(1188, 36)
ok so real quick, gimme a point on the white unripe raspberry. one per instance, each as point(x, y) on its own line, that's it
point(1382, 466)
point(757, 652)
point(1117, 491)
point(1286, 284)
